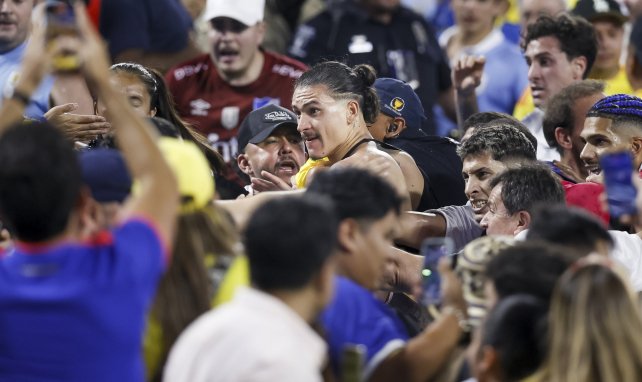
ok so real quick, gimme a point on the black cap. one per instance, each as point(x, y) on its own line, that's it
point(600, 9)
point(260, 123)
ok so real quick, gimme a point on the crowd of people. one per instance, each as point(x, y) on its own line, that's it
point(253, 191)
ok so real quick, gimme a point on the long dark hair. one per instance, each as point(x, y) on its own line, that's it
point(163, 102)
point(343, 81)
point(205, 236)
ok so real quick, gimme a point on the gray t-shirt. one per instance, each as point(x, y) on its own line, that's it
point(461, 225)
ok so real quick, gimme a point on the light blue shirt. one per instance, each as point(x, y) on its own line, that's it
point(504, 79)
point(9, 72)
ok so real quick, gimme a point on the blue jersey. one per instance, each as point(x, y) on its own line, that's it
point(9, 72)
point(355, 316)
point(76, 312)
point(505, 76)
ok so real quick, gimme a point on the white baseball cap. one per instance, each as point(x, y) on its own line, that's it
point(249, 12)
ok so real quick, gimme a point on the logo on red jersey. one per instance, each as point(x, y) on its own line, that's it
point(200, 107)
point(230, 117)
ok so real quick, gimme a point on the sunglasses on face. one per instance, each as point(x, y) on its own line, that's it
point(225, 24)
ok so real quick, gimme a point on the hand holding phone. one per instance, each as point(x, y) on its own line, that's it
point(617, 167)
point(433, 249)
point(61, 25)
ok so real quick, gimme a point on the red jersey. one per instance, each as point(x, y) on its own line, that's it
point(216, 108)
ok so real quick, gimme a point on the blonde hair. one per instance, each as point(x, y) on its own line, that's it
point(594, 327)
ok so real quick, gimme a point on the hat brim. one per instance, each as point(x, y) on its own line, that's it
point(260, 137)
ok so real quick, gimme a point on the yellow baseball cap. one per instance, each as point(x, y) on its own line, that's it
point(192, 171)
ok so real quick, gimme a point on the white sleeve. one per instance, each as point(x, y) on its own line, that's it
point(627, 250)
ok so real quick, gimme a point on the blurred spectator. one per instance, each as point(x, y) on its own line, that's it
point(531, 267)
point(206, 266)
point(155, 33)
point(105, 173)
point(271, 150)
point(634, 57)
point(558, 51)
point(531, 10)
point(215, 91)
point(263, 334)
point(511, 345)
point(398, 124)
point(393, 39)
point(608, 20)
point(593, 316)
point(98, 287)
point(282, 17)
point(570, 227)
point(563, 123)
point(504, 76)
point(16, 14)
point(634, 7)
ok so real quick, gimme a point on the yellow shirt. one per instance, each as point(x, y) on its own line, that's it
point(301, 177)
point(524, 105)
point(619, 84)
point(237, 275)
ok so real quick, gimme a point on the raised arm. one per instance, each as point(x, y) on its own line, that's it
point(466, 77)
point(36, 64)
point(157, 198)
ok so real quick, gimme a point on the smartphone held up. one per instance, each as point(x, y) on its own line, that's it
point(433, 250)
point(61, 31)
point(617, 167)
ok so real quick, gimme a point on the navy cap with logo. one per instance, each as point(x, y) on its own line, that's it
point(593, 10)
point(260, 123)
point(397, 99)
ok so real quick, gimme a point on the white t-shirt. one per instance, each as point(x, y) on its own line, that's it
point(255, 337)
point(627, 251)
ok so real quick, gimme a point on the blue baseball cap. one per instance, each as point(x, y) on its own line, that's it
point(397, 99)
point(105, 173)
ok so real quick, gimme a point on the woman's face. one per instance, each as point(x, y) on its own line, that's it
point(134, 90)
point(322, 120)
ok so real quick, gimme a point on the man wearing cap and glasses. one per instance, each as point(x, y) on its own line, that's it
point(608, 20)
point(270, 148)
point(214, 92)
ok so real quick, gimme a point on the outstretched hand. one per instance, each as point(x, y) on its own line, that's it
point(82, 128)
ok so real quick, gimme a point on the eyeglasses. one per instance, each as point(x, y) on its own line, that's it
point(226, 24)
